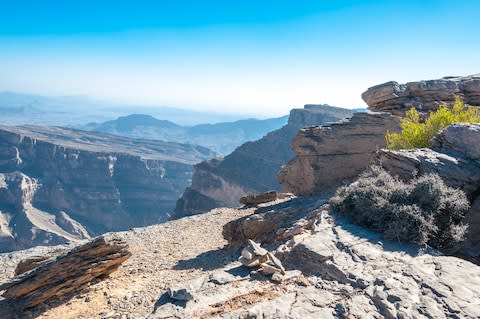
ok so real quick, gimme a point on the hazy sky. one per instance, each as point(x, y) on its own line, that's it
point(261, 57)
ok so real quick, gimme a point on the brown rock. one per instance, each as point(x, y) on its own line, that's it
point(29, 264)
point(327, 156)
point(67, 273)
point(259, 198)
point(425, 96)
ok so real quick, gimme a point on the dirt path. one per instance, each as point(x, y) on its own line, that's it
point(162, 255)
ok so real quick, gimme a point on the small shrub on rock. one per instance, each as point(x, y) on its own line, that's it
point(423, 211)
point(418, 134)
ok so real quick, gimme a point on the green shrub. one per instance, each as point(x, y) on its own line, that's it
point(423, 211)
point(417, 134)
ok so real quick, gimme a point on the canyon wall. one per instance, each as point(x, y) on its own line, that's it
point(58, 185)
point(252, 167)
point(330, 155)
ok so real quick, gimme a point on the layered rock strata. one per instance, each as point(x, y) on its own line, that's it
point(328, 156)
point(59, 185)
point(65, 274)
point(252, 167)
point(425, 96)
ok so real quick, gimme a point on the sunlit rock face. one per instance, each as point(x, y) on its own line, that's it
point(328, 156)
point(425, 96)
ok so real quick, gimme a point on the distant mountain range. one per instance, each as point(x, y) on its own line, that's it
point(74, 110)
point(221, 137)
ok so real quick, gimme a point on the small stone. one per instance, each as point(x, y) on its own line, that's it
point(267, 269)
point(277, 277)
point(181, 294)
point(276, 262)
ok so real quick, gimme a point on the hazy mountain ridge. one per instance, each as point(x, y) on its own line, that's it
point(76, 110)
point(221, 137)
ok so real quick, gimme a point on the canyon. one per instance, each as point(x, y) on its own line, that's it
point(280, 255)
point(59, 185)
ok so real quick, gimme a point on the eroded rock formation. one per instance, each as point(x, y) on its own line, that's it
point(65, 274)
point(425, 96)
point(58, 185)
point(329, 155)
point(252, 167)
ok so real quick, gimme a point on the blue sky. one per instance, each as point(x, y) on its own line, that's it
point(257, 57)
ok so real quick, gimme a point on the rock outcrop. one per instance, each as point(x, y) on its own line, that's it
point(328, 156)
point(425, 96)
point(64, 274)
point(257, 199)
point(455, 156)
point(331, 269)
point(59, 185)
point(252, 167)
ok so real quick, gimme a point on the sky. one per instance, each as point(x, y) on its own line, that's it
point(255, 57)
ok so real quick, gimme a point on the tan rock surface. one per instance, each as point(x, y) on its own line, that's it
point(329, 155)
point(425, 96)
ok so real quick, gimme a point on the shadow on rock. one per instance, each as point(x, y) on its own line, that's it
point(210, 260)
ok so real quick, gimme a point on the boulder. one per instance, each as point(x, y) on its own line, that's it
point(66, 273)
point(425, 96)
point(256, 199)
point(279, 222)
point(330, 155)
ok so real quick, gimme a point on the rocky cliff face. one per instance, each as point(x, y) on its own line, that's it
point(58, 185)
point(252, 167)
point(425, 96)
point(329, 155)
point(454, 156)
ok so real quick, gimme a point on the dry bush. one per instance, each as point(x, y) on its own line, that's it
point(424, 211)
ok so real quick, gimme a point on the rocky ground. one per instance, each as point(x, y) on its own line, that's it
point(322, 267)
point(161, 256)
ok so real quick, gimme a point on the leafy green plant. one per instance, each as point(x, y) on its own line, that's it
point(418, 134)
point(422, 211)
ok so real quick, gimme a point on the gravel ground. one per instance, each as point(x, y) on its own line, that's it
point(163, 255)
